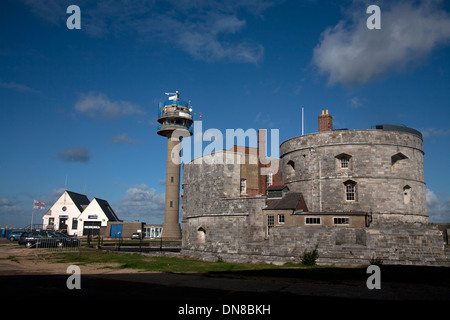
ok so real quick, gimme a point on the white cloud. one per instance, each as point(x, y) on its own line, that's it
point(352, 54)
point(355, 102)
point(74, 154)
point(438, 210)
point(196, 27)
point(98, 105)
point(7, 205)
point(122, 139)
point(12, 213)
point(428, 132)
point(17, 87)
point(142, 203)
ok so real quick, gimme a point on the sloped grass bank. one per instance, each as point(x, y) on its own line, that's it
point(161, 264)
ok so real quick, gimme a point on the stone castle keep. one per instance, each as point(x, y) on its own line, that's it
point(355, 194)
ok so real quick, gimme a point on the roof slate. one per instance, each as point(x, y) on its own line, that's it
point(291, 201)
point(80, 200)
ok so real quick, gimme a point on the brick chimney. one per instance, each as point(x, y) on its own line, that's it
point(325, 121)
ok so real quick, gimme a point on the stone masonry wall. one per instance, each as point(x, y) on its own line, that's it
point(310, 164)
point(220, 225)
point(403, 244)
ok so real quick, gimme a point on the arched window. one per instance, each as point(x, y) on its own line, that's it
point(201, 235)
point(395, 160)
point(290, 169)
point(406, 194)
point(350, 190)
point(291, 165)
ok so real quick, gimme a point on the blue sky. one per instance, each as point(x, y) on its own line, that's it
point(81, 105)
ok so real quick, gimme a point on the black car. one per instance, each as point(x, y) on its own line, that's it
point(47, 239)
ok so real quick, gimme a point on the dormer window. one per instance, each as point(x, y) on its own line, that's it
point(344, 161)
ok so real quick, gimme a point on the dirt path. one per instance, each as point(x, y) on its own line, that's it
point(17, 260)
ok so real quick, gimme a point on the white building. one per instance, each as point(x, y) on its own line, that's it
point(74, 214)
point(96, 215)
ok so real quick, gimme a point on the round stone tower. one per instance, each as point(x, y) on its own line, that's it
point(378, 170)
point(175, 120)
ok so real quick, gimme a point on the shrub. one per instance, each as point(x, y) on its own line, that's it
point(309, 257)
point(376, 261)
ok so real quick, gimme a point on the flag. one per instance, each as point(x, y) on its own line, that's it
point(38, 205)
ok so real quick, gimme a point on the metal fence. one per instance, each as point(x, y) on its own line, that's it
point(57, 245)
point(138, 245)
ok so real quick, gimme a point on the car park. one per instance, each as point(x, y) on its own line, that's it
point(47, 239)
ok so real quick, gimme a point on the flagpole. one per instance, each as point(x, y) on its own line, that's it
point(36, 205)
point(32, 214)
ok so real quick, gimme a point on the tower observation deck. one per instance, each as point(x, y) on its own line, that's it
point(173, 115)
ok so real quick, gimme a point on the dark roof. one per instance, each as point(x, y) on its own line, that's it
point(291, 201)
point(277, 187)
point(80, 200)
point(106, 208)
point(394, 127)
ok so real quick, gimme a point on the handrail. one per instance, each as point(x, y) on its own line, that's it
point(174, 113)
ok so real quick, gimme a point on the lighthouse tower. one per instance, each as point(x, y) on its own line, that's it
point(175, 120)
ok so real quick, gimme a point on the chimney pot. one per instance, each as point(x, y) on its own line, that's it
point(325, 121)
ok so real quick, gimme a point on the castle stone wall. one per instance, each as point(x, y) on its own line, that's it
point(399, 244)
point(311, 165)
point(220, 225)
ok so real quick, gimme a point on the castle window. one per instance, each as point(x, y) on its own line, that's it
point(270, 222)
point(397, 157)
point(281, 219)
point(243, 186)
point(340, 220)
point(312, 220)
point(350, 190)
point(291, 164)
point(290, 169)
point(396, 160)
point(406, 194)
point(343, 161)
point(201, 235)
point(171, 179)
point(171, 204)
point(269, 178)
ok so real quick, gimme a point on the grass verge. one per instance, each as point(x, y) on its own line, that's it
point(161, 264)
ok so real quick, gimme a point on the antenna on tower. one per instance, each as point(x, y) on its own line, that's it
point(303, 121)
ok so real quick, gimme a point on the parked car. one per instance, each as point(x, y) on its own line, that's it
point(14, 235)
point(47, 239)
point(135, 235)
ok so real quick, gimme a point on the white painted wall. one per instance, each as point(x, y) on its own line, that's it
point(91, 211)
point(57, 212)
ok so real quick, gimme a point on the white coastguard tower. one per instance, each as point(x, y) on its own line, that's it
point(175, 118)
